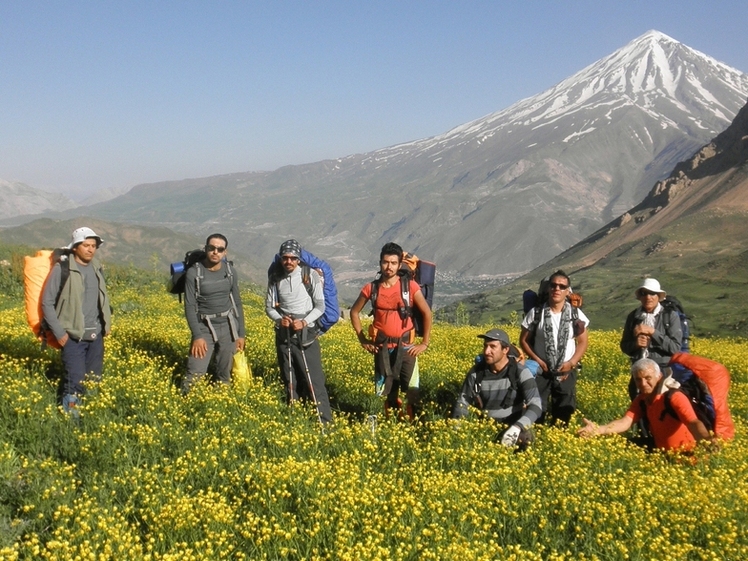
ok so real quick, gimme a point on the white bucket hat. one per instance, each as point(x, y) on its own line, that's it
point(82, 234)
point(650, 285)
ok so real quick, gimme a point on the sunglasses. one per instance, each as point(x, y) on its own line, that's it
point(559, 286)
point(209, 248)
point(647, 293)
point(289, 258)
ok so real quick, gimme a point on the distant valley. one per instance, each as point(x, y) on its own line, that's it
point(489, 200)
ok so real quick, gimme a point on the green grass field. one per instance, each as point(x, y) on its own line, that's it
point(701, 259)
point(230, 473)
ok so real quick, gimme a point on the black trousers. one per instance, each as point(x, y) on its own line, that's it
point(302, 374)
point(562, 396)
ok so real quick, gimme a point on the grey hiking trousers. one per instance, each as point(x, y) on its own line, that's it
point(223, 347)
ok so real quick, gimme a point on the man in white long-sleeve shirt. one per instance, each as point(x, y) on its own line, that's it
point(295, 301)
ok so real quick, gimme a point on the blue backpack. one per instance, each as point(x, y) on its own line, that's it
point(308, 262)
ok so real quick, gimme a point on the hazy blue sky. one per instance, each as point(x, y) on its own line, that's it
point(109, 94)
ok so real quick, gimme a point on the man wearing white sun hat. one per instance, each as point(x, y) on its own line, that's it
point(76, 309)
point(652, 330)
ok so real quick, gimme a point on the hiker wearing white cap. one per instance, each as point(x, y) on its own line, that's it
point(651, 331)
point(76, 309)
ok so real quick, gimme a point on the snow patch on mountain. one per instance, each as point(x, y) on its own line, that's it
point(651, 73)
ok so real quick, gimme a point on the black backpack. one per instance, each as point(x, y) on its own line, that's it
point(179, 272)
point(698, 394)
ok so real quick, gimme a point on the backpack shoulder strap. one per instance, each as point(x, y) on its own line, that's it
point(229, 272)
point(480, 373)
point(405, 287)
point(198, 278)
point(668, 406)
point(64, 276)
point(374, 292)
point(536, 315)
point(306, 278)
point(230, 276)
point(644, 418)
point(513, 374)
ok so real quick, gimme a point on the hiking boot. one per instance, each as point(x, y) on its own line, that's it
point(70, 403)
point(399, 407)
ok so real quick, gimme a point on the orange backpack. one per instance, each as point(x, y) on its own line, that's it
point(35, 272)
point(717, 379)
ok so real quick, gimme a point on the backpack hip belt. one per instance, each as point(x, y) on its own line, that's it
point(382, 358)
point(228, 314)
point(305, 336)
point(384, 341)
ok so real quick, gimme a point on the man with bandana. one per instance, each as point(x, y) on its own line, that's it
point(555, 336)
point(295, 301)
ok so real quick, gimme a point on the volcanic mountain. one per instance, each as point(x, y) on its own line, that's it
point(690, 232)
point(491, 198)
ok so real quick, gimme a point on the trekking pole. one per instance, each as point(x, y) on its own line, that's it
point(290, 367)
point(309, 383)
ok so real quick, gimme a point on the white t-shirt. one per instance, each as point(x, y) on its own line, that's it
point(539, 345)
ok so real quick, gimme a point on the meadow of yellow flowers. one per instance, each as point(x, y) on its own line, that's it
point(233, 473)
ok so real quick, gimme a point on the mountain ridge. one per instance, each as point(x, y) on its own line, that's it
point(20, 199)
point(690, 233)
point(492, 198)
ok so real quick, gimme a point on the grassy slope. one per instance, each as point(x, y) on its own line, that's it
point(709, 276)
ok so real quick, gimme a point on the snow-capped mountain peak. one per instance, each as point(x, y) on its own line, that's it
point(654, 72)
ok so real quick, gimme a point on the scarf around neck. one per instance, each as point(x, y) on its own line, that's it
point(649, 320)
point(555, 350)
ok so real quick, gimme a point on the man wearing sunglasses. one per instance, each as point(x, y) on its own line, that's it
point(213, 309)
point(555, 336)
point(651, 331)
point(295, 300)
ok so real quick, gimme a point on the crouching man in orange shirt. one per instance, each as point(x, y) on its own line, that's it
point(671, 432)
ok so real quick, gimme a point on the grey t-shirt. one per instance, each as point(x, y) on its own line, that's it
point(90, 301)
point(216, 289)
